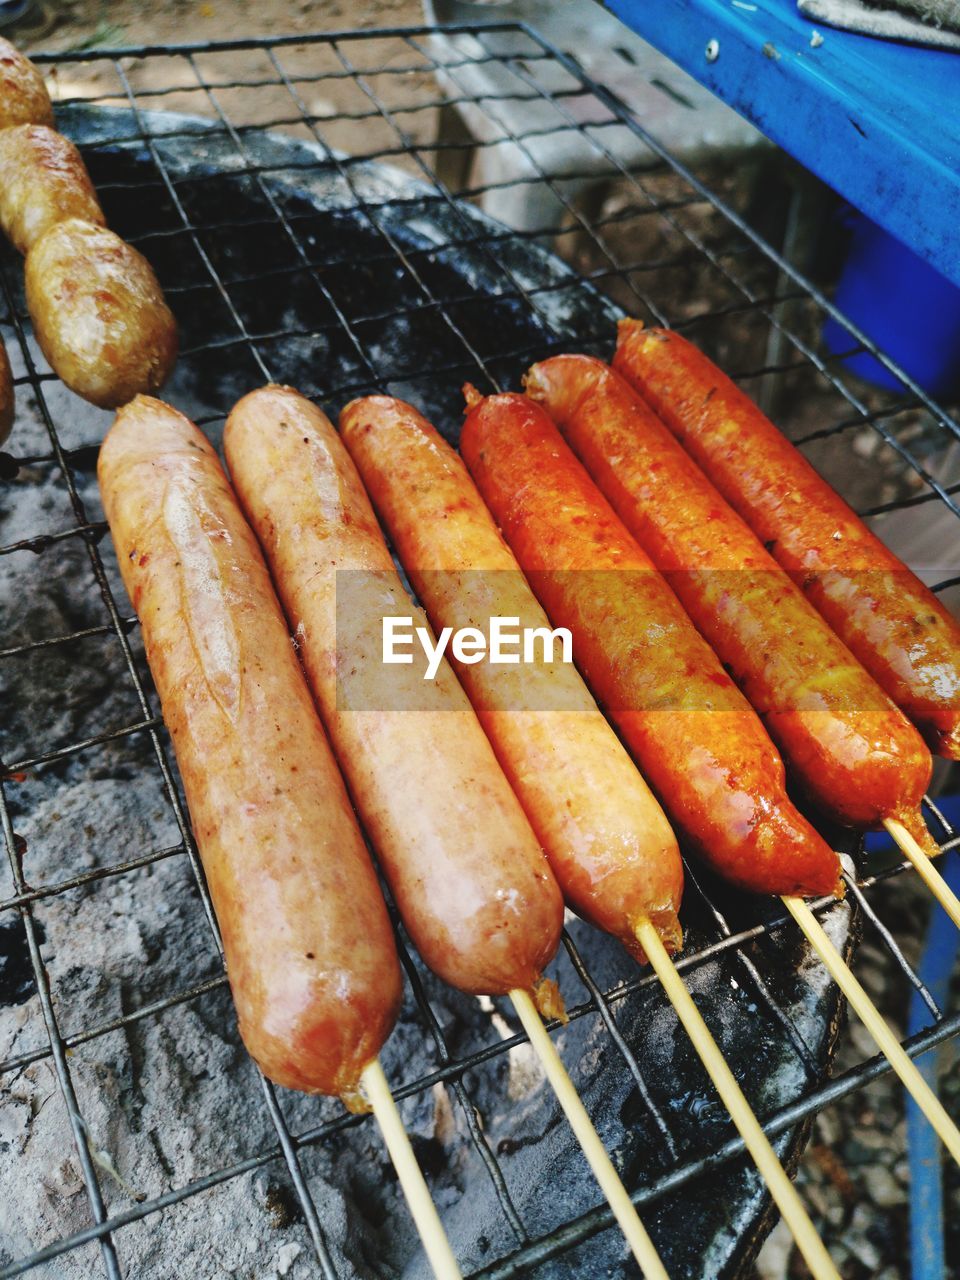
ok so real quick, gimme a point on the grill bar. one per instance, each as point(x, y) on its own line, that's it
point(731, 260)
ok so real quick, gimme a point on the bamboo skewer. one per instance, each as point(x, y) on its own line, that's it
point(927, 871)
point(756, 1141)
point(422, 1209)
point(889, 1045)
point(616, 1193)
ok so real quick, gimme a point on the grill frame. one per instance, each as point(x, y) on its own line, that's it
point(529, 1252)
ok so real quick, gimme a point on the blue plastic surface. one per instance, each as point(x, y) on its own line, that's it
point(935, 970)
point(878, 121)
point(910, 311)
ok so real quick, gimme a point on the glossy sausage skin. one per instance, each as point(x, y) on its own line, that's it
point(43, 181)
point(99, 314)
point(309, 949)
point(23, 94)
point(890, 621)
point(697, 740)
point(7, 398)
point(470, 880)
point(606, 837)
point(856, 754)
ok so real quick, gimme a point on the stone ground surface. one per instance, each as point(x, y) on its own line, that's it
point(174, 1097)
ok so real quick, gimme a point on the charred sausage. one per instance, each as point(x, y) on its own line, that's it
point(470, 880)
point(606, 837)
point(99, 314)
point(855, 752)
point(696, 739)
point(23, 94)
point(308, 945)
point(890, 621)
point(43, 181)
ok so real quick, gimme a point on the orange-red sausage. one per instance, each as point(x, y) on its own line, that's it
point(6, 393)
point(891, 622)
point(309, 949)
point(695, 737)
point(43, 180)
point(856, 754)
point(470, 880)
point(609, 844)
point(23, 94)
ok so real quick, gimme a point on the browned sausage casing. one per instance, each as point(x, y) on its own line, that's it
point(473, 886)
point(609, 844)
point(43, 181)
point(889, 620)
point(23, 94)
point(99, 314)
point(309, 949)
point(697, 740)
point(6, 393)
point(856, 753)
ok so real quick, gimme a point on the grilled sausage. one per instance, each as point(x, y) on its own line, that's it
point(309, 950)
point(6, 393)
point(43, 181)
point(855, 753)
point(99, 314)
point(606, 837)
point(23, 94)
point(696, 739)
point(890, 621)
point(471, 883)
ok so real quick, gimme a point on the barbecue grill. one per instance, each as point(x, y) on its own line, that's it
point(318, 248)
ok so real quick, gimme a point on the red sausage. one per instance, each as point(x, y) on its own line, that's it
point(890, 621)
point(695, 738)
point(856, 754)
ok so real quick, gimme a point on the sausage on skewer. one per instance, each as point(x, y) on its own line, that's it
point(309, 949)
point(607, 839)
point(889, 620)
point(855, 753)
point(470, 880)
point(696, 739)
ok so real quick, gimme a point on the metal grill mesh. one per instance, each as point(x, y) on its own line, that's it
point(771, 309)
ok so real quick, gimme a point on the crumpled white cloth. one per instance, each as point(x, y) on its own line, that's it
point(930, 22)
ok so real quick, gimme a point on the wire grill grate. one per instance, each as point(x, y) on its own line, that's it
point(397, 76)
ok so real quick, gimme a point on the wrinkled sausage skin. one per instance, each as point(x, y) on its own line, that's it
point(43, 181)
point(23, 94)
point(309, 949)
point(99, 314)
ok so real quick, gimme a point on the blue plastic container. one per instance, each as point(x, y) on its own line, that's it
point(906, 307)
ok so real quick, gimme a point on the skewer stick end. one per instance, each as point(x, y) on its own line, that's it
point(422, 1209)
